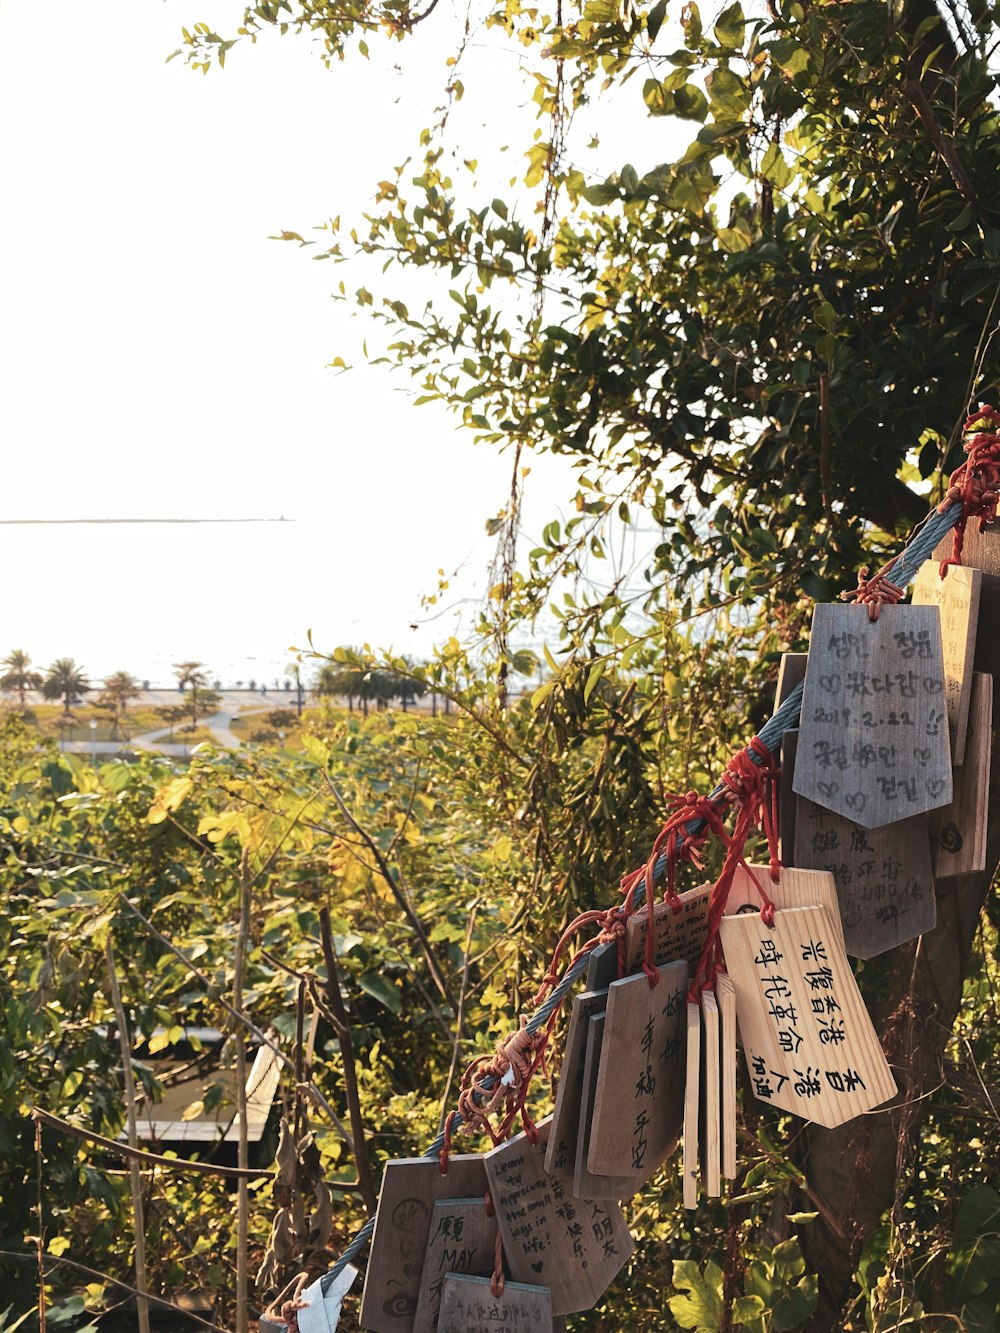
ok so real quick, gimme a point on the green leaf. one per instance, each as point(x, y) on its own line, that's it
point(701, 1307)
point(316, 750)
point(774, 168)
point(654, 19)
point(593, 677)
point(975, 1258)
point(730, 27)
point(382, 990)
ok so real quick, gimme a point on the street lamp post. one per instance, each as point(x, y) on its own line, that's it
point(93, 741)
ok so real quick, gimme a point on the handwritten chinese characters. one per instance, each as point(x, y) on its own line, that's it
point(957, 597)
point(576, 1247)
point(462, 1239)
point(469, 1306)
point(958, 832)
point(884, 882)
point(410, 1188)
point(639, 1102)
point(809, 1043)
point(873, 740)
point(793, 888)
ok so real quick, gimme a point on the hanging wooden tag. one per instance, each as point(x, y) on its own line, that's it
point(576, 1247)
point(958, 832)
point(462, 1240)
point(957, 597)
point(410, 1188)
point(676, 934)
point(469, 1306)
point(710, 1120)
point(586, 1185)
point(873, 740)
point(809, 1043)
point(885, 887)
point(795, 888)
point(560, 1155)
point(690, 1158)
point(725, 994)
point(638, 1106)
point(790, 673)
point(786, 803)
point(602, 966)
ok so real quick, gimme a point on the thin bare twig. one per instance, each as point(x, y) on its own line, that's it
point(40, 1239)
point(460, 1020)
point(242, 1144)
point(134, 1174)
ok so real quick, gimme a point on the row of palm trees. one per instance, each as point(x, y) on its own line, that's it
point(67, 681)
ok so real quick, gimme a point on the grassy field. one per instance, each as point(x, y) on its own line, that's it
point(75, 726)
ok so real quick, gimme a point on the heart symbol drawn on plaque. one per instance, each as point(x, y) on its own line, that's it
point(922, 755)
point(828, 788)
point(539, 1266)
point(935, 786)
point(830, 683)
point(857, 801)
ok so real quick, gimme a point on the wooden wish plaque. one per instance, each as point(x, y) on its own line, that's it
point(791, 672)
point(710, 1120)
point(884, 883)
point(575, 1247)
point(873, 740)
point(795, 888)
point(469, 1306)
point(680, 934)
point(560, 1155)
point(957, 598)
point(602, 965)
point(691, 1157)
point(462, 1240)
point(809, 1043)
point(639, 1102)
point(410, 1188)
point(725, 994)
point(587, 1185)
point(958, 832)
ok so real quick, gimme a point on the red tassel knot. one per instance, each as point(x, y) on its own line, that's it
point(874, 592)
point(977, 482)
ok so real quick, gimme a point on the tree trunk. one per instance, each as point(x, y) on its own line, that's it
point(856, 1168)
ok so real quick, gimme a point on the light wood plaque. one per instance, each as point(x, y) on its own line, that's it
point(958, 832)
point(469, 1306)
point(796, 887)
point(691, 1158)
point(957, 598)
point(410, 1188)
point(809, 1042)
point(677, 934)
point(639, 1102)
point(575, 1247)
point(462, 1240)
point(873, 740)
point(587, 1185)
point(710, 1128)
point(725, 994)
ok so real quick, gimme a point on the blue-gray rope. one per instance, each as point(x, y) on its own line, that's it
point(919, 548)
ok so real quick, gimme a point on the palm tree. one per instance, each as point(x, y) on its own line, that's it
point(195, 675)
point(65, 680)
point(343, 680)
point(119, 689)
point(17, 675)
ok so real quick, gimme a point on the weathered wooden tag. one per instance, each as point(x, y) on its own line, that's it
point(809, 1042)
point(560, 1155)
point(957, 597)
point(791, 671)
point(795, 888)
point(885, 887)
point(676, 934)
point(639, 1103)
point(462, 1240)
point(690, 1158)
point(602, 966)
point(786, 803)
point(410, 1188)
point(576, 1247)
point(725, 994)
point(710, 1123)
point(469, 1306)
point(958, 832)
point(873, 740)
point(586, 1185)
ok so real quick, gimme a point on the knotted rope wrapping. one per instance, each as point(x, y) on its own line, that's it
point(501, 1080)
point(976, 484)
point(874, 592)
point(918, 549)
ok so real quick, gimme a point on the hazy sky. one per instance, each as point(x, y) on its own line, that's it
point(162, 357)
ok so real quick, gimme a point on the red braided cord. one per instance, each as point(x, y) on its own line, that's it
point(977, 481)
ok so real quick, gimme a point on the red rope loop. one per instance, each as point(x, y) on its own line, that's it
point(875, 592)
point(446, 1145)
point(501, 1080)
point(498, 1281)
point(976, 483)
